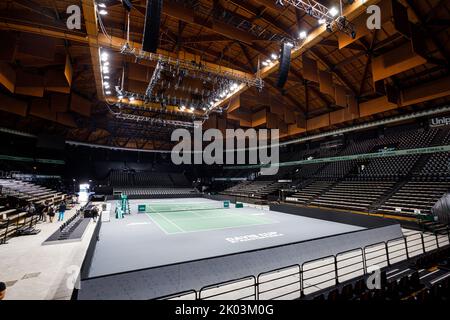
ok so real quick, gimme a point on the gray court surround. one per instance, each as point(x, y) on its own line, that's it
point(134, 259)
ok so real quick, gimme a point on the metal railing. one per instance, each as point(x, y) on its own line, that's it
point(296, 281)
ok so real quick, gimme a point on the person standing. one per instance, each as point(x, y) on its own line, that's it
point(44, 211)
point(51, 213)
point(62, 209)
point(2, 290)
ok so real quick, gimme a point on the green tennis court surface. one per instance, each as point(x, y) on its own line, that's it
point(182, 221)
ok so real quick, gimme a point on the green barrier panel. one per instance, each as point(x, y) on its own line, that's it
point(141, 208)
point(226, 204)
point(239, 205)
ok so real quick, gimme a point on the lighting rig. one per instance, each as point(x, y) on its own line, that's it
point(332, 18)
point(154, 121)
point(192, 66)
point(224, 82)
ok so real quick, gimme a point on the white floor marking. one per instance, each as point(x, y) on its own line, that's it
point(170, 221)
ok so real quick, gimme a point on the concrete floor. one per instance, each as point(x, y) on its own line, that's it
point(33, 271)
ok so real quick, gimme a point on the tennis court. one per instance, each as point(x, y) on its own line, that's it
point(173, 218)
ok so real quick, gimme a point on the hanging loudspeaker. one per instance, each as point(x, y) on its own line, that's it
point(151, 26)
point(285, 63)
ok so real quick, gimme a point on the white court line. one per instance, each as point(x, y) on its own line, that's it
point(441, 278)
point(157, 224)
point(170, 221)
point(167, 221)
point(428, 274)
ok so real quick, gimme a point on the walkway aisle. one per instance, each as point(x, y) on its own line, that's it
point(35, 271)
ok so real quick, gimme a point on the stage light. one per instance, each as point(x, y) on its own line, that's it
point(322, 21)
point(274, 56)
point(106, 63)
point(106, 70)
point(106, 77)
point(120, 97)
point(103, 12)
point(334, 11)
point(329, 28)
point(132, 98)
point(289, 44)
point(108, 92)
point(204, 109)
point(303, 35)
point(265, 63)
point(102, 5)
point(192, 108)
point(105, 56)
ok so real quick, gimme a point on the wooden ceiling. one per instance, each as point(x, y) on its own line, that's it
point(236, 34)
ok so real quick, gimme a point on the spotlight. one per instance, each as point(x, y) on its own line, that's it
point(274, 56)
point(329, 28)
point(102, 5)
point(264, 63)
point(192, 108)
point(132, 99)
point(303, 35)
point(108, 92)
point(103, 12)
point(120, 97)
point(106, 77)
point(105, 56)
point(106, 63)
point(322, 21)
point(334, 12)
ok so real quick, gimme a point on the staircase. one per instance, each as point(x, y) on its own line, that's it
point(374, 208)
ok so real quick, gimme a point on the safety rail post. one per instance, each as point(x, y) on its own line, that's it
point(437, 239)
point(387, 254)
point(423, 243)
point(302, 289)
point(364, 260)
point(258, 282)
point(336, 270)
point(406, 248)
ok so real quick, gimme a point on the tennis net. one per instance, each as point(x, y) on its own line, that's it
point(173, 207)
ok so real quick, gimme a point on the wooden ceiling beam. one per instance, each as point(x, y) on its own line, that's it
point(332, 68)
point(91, 23)
point(263, 16)
point(351, 11)
point(442, 50)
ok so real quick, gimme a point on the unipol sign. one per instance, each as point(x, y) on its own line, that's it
point(263, 147)
point(440, 122)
